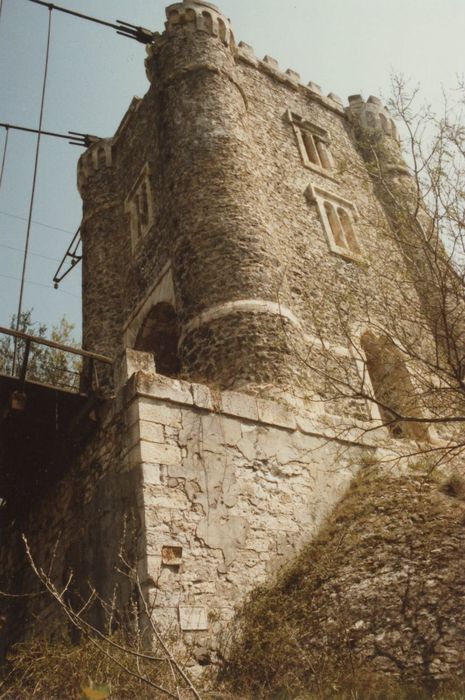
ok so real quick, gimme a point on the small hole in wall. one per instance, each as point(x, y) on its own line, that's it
point(171, 556)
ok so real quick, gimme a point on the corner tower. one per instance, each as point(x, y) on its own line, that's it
point(192, 265)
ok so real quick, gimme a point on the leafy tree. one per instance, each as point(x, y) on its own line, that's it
point(45, 364)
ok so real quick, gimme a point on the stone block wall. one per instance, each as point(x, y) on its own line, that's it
point(232, 486)
point(208, 492)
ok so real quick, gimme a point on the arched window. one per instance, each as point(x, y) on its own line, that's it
point(207, 21)
point(392, 386)
point(222, 30)
point(314, 144)
point(140, 207)
point(159, 335)
point(316, 149)
point(337, 216)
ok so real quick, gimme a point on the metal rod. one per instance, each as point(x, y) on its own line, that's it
point(51, 6)
point(78, 139)
point(72, 253)
point(34, 180)
point(145, 36)
point(53, 344)
point(5, 148)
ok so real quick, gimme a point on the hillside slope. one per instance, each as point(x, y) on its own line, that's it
point(375, 603)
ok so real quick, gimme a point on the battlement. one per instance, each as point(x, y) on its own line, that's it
point(97, 156)
point(251, 272)
point(290, 77)
point(372, 114)
point(201, 17)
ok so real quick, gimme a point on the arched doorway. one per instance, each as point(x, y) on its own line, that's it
point(159, 335)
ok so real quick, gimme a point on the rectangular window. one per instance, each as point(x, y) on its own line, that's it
point(338, 216)
point(313, 143)
point(139, 206)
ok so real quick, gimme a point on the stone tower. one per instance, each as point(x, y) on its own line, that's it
point(239, 263)
point(219, 220)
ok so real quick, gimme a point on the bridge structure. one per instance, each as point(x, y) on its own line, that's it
point(48, 406)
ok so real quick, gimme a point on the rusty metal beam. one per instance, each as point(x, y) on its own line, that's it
point(58, 346)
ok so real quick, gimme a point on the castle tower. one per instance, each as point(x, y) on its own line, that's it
point(102, 262)
point(244, 268)
point(199, 218)
point(426, 262)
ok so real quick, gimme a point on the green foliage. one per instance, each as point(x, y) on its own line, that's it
point(46, 365)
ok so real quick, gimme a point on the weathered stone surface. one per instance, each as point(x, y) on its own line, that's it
point(193, 618)
point(197, 207)
point(380, 590)
point(243, 489)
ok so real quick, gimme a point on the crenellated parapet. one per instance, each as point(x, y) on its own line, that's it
point(269, 65)
point(198, 16)
point(373, 123)
point(190, 17)
point(96, 157)
point(372, 115)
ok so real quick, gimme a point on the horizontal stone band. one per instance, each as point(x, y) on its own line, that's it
point(260, 306)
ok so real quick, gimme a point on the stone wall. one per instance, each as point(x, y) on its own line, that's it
point(234, 215)
point(208, 492)
point(76, 526)
point(377, 595)
point(232, 486)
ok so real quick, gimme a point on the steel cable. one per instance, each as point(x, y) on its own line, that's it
point(34, 180)
point(5, 146)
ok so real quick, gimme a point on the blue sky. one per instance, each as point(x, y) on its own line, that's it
point(346, 46)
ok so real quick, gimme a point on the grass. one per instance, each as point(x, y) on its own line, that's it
point(355, 616)
point(42, 670)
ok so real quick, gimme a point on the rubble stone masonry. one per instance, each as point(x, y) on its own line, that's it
point(232, 221)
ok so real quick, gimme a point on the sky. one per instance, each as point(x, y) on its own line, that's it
point(346, 46)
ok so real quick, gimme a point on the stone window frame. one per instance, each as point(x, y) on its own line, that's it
point(141, 192)
point(313, 139)
point(338, 216)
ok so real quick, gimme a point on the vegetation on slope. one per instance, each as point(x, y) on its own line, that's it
point(373, 608)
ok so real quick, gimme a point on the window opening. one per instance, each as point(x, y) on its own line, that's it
point(313, 143)
point(159, 335)
point(323, 153)
point(139, 206)
point(310, 147)
point(349, 234)
point(337, 216)
point(335, 224)
point(392, 386)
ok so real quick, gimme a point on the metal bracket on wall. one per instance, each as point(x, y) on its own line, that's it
point(72, 256)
